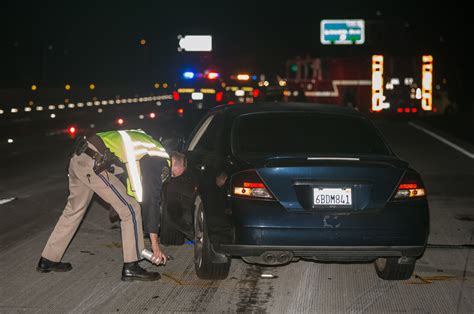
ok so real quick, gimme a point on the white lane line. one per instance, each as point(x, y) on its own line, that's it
point(7, 200)
point(442, 139)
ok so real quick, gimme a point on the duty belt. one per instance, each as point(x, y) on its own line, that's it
point(103, 157)
point(92, 153)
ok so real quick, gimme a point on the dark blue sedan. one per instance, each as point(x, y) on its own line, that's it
point(277, 182)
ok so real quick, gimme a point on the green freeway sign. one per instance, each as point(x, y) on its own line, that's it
point(342, 32)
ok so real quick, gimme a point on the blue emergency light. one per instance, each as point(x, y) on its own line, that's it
point(188, 75)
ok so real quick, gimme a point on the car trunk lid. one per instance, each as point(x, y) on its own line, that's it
point(363, 182)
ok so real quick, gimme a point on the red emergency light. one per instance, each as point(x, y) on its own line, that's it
point(212, 75)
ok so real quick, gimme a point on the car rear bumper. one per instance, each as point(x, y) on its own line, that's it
point(273, 255)
point(269, 224)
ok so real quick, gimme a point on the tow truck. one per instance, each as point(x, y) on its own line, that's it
point(389, 84)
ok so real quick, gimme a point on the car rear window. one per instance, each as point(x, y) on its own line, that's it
point(307, 133)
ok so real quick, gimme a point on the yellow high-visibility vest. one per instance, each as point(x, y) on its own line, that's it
point(130, 146)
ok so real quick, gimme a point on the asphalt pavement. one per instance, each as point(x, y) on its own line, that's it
point(33, 173)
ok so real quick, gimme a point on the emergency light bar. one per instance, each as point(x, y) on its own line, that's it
point(188, 75)
point(243, 77)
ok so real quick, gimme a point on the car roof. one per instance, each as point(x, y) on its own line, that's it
point(260, 107)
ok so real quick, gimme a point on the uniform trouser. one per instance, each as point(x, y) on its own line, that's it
point(83, 183)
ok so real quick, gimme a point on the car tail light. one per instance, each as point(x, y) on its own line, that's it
point(414, 110)
point(219, 96)
point(410, 187)
point(175, 96)
point(180, 111)
point(255, 93)
point(120, 121)
point(399, 110)
point(407, 110)
point(248, 184)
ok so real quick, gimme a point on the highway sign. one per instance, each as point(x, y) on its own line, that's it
point(342, 32)
point(195, 43)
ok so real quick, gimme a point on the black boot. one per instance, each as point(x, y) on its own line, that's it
point(45, 266)
point(132, 271)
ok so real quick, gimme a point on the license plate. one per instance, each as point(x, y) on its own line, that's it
point(239, 93)
point(332, 197)
point(197, 96)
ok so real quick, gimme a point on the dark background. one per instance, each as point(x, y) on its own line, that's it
point(53, 43)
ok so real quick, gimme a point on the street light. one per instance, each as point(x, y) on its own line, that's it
point(142, 42)
point(34, 87)
point(67, 87)
point(91, 86)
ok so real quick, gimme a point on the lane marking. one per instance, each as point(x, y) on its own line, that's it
point(7, 200)
point(442, 139)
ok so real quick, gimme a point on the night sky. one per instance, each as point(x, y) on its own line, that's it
point(84, 41)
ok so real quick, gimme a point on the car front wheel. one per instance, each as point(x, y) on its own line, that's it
point(203, 255)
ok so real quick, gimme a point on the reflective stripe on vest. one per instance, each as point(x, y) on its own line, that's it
point(130, 146)
point(132, 167)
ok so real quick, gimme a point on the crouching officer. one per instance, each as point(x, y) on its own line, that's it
point(91, 170)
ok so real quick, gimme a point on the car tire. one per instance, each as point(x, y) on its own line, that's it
point(205, 267)
point(389, 269)
point(169, 235)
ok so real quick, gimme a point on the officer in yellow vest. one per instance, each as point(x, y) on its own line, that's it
point(91, 170)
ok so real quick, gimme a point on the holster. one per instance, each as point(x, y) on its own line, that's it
point(81, 146)
point(104, 161)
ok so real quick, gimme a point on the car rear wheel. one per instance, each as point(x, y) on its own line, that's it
point(169, 235)
point(205, 267)
point(390, 269)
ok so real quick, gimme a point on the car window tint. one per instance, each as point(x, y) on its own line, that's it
point(200, 133)
point(209, 140)
point(308, 133)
